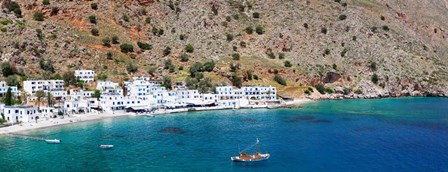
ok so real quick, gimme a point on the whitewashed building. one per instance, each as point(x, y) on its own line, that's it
point(85, 75)
point(15, 114)
point(55, 87)
point(109, 87)
point(113, 102)
point(48, 112)
point(260, 93)
point(4, 88)
point(78, 94)
point(80, 105)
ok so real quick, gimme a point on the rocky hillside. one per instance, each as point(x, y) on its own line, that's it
point(352, 48)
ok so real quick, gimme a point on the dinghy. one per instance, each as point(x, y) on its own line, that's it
point(53, 141)
point(106, 146)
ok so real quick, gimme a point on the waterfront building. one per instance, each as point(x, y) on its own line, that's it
point(113, 102)
point(16, 114)
point(48, 112)
point(109, 87)
point(85, 75)
point(260, 92)
point(55, 87)
point(80, 105)
point(4, 88)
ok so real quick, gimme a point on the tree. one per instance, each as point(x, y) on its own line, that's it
point(181, 37)
point(106, 42)
point(209, 66)
point(95, 32)
point(342, 17)
point(126, 48)
point(7, 69)
point(279, 80)
point(229, 37)
point(236, 80)
point(102, 76)
point(189, 48)
point(46, 2)
point(323, 30)
point(195, 68)
point(39, 95)
point(8, 98)
point(69, 78)
point(115, 39)
point(167, 82)
point(50, 99)
point(281, 56)
point(12, 81)
point(94, 6)
point(38, 16)
point(92, 19)
point(97, 94)
point(144, 46)
point(260, 30)
point(320, 88)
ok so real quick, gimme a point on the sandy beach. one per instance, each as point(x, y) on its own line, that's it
point(59, 121)
point(97, 116)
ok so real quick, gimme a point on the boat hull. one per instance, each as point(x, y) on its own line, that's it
point(53, 141)
point(254, 159)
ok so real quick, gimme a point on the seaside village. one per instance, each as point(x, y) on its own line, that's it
point(47, 99)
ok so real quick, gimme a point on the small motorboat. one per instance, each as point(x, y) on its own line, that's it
point(53, 141)
point(245, 157)
point(106, 146)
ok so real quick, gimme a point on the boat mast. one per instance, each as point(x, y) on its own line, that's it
point(258, 144)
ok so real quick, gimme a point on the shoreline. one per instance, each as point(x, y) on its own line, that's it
point(94, 116)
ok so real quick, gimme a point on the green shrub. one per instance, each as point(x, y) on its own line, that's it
point(271, 54)
point(184, 57)
point(256, 77)
point(126, 48)
point(189, 48)
point(335, 67)
point(229, 37)
point(386, 28)
point(307, 92)
point(260, 30)
point(209, 66)
point(102, 76)
point(305, 25)
point(375, 78)
point(358, 91)
point(95, 32)
point(131, 68)
point(236, 80)
point(342, 17)
point(329, 90)
point(109, 55)
point(249, 30)
point(46, 2)
point(115, 39)
point(372, 65)
point(344, 52)
point(94, 6)
point(236, 56)
point(195, 68)
point(281, 56)
point(106, 42)
point(324, 30)
point(4, 29)
point(243, 44)
point(15, 7)
point(327, 51)
point(125, 18)
point(7, 69)
point(287, 63)
point(320, 88)
point(148, 20)
point(54, 11)
point(38, 16)
point(256, 15)
point(383, 18)
point(92, 19)
point(166, 51)
point(279, 80)
point(181, 37)
point(144, 46)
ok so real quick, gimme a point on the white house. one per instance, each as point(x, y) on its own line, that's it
point(15, 114)
point(55, 87)
point(78, 94)
point(228, 96)
point(260, 92)
point(48, 112)
point(80, 105)
point(109, 87)
point(113, 102)
point(4, 88)
point(85, 75)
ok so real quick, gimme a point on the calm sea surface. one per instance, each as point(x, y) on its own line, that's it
point(406, 134)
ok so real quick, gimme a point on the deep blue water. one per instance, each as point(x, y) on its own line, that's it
point(406, 134)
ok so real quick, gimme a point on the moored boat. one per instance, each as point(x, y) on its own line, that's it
point(106, 146)
point(53, 141)
point(246, 157)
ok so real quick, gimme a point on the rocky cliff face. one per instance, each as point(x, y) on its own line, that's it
point(342, 44)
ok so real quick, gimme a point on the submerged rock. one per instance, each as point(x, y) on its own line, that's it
point(173, 130)
point(321, 121)
point(248, 120)
point(301, 118)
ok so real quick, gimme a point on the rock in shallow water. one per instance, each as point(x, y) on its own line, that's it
point(172, 130)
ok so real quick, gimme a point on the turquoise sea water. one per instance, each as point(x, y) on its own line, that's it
point(406, 134)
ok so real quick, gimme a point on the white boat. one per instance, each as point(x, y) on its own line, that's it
point(53, 141)
point(245, 157)
point(106, 146)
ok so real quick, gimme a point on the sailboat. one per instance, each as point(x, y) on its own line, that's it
point(246, 157)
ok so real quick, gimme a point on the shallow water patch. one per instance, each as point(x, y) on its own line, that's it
point(173, 130)
point(301, 118)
